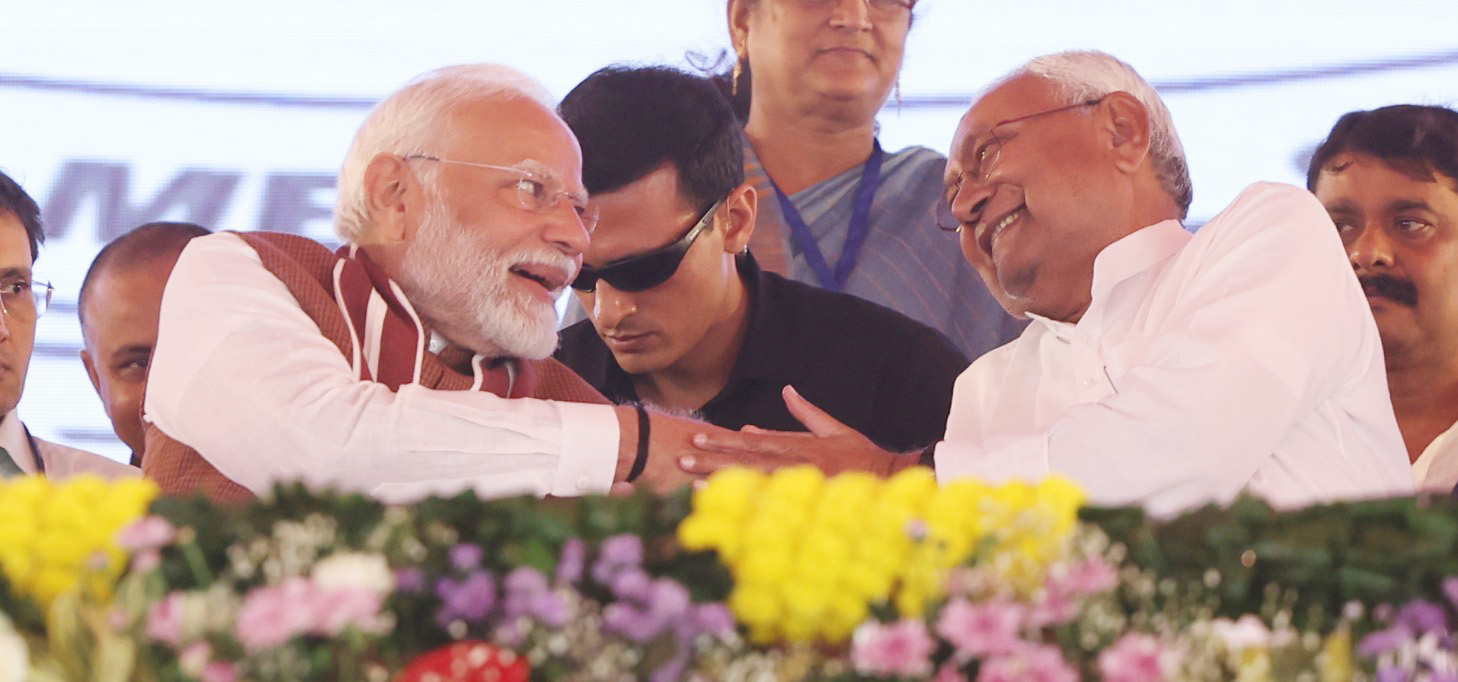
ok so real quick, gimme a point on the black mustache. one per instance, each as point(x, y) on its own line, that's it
point(1387, 286)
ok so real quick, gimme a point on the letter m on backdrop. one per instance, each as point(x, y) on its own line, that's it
point(198, 196)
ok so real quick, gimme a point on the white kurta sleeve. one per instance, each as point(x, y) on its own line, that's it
point(242, 375)
point(1264, 322)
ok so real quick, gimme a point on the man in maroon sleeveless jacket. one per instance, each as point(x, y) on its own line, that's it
point(412, 361)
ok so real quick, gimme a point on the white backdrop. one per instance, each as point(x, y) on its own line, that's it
point(236, 114)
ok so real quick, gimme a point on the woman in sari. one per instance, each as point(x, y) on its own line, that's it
point(835, 209)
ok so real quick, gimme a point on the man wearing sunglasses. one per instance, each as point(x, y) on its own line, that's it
point(22, 300)
point(680, 315)
point(1161, 368)
point(415, 360)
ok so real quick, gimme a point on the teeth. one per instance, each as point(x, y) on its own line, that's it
point(1002, 224)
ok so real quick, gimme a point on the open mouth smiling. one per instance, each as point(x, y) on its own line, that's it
point(552, 279)
point(990, 235)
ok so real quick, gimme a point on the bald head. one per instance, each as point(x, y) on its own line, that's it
point(119, 305)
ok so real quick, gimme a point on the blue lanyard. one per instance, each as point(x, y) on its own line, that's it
point(860, 226)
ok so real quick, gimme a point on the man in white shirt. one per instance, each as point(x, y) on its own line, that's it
point(405, 364)
point(1389, 179)
point(1161, 368)
point(22, 300)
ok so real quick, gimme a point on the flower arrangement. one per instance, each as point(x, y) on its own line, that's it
point(789, 576)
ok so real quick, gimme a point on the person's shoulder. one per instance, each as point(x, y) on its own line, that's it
point(63, 461)
point(1264, 203)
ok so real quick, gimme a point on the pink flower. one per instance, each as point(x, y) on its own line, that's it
point(981, 629)
point(218, 671)
point(164, 620)
point(949, 673)
point(148, 532)
point(1090, 577)
point(336, 610)
point(1137, 657)
point(903, 648)
point(1032, 663)
point(273, 615)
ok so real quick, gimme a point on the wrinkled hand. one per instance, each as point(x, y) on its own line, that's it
point(830, 445)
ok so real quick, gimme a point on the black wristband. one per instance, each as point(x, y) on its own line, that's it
point(642, 458)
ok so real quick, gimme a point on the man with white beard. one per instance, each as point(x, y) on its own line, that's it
point(414, 360)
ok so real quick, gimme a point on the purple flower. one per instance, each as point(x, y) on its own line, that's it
point(903, 648)
point(528, 594)
point(631, 583)
point(1136, 657)
point(981, 629)
point(410, 580)
point(714, 619)
point(469, 600)
point(1035, 663)
point(1383, 641)
point(572, 562)
point(466, 556)
point(1389, 674)
point(617, 553)
point(1422, 617)
point(1450, 590)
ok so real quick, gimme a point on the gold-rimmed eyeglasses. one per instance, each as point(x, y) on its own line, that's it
point(534, 191)
point(978, 165)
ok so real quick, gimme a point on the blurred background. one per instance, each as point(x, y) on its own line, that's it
point(236, 115)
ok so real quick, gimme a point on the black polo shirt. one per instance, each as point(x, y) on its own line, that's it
point(876, 370)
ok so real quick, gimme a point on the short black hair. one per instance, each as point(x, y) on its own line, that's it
point(146, 242)
point(15, 201)
point(632, 120)
point(1416, 140)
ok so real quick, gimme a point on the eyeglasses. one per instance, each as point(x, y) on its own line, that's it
point(984, 158)
point(881, 8)
point(645, 270)
point(23, 299)
point(534, 191)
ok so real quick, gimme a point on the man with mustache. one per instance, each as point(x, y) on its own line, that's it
point(681, 314)
point(1161, 368)
point(1389, 179)
point(413, 361)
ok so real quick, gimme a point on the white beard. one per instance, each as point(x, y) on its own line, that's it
point(460, 287)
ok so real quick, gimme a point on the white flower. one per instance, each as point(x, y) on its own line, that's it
point(14, 659)
point(1247, 633)
point(354, 571)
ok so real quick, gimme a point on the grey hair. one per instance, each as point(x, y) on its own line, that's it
point(1090, 74)
point(412, 120)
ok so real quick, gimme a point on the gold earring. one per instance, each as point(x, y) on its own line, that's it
point(738, 70)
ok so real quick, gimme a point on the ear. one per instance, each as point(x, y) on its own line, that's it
point(738, 24)
point(91, 372)
point(1127, 123)
point(391, 188)
point(740, 207)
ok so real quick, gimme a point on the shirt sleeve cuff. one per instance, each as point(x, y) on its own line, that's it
point(589, 449)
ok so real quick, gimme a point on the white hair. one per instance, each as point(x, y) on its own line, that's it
point(1090, 74)
point(411, 120)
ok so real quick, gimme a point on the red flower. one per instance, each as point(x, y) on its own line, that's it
point(466, 662)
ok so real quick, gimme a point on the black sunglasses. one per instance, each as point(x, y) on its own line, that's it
point(645, 270)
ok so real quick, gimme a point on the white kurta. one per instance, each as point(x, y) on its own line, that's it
point(1436, 469)
point(242, 375)
point(1244, 357)
point(60, 461)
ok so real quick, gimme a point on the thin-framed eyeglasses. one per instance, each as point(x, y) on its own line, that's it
point(645, 270)
point(978, 165)
point(534, 191)
point(879, 8)
point(24, 299)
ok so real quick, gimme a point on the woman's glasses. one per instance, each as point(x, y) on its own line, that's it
point(645, 270)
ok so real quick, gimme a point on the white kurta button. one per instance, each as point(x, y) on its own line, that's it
point(1087, 384)
point(583, 483)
